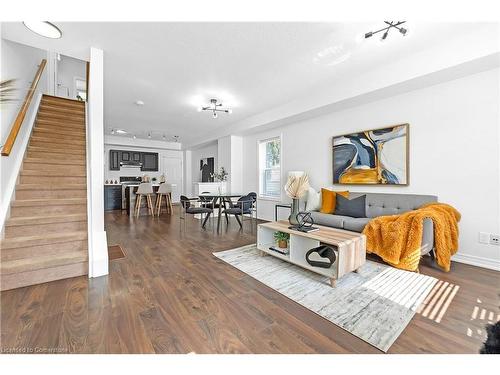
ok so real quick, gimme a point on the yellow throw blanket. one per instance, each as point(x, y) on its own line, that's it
point(397, 238)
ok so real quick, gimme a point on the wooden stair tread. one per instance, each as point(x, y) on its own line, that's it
point(58, 123)
point(66, 150)
point(57, 173)
point(49, 238)
point(34, 263)
point(51, 187)
point(63, 100)
point(44, 219)
point(54, 161)
point(45, 202)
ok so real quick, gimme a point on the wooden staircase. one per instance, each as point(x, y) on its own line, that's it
point(46, 233)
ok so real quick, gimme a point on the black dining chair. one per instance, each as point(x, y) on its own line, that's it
point(187, 207)
point(243, 206)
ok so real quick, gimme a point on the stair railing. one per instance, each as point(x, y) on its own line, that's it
point(16, 126)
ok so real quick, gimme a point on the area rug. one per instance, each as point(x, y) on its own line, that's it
point(375, 304)
point(115, 252)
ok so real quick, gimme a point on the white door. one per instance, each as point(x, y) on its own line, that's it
point(172, 168)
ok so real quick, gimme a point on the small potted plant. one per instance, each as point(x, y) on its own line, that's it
point(282, 239)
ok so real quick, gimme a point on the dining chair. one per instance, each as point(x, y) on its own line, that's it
point(144, 189)
point(187, 207)
point(165, 190)
point(243, 206)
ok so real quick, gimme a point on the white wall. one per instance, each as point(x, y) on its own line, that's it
point(18, 62)
point(209, 151)
point(454, 151)
point(67, 69)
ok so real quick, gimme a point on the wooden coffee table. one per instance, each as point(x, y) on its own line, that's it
point(349, 247)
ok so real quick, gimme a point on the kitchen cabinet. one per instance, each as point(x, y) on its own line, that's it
point(125, 156)
point(112, 197)
point(136, 156)
point(114, 160)
point(149, 161)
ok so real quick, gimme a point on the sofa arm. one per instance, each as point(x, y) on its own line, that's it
point(427, 236)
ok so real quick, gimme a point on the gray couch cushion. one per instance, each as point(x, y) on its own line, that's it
point(329, 220)
point(354, 207)
point(380, 204)
point(356, 224)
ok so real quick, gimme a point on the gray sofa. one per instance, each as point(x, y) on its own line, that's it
point(378, 204)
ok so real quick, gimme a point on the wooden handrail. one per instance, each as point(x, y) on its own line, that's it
point(16, 126)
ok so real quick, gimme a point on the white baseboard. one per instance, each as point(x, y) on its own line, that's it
point(491, 264)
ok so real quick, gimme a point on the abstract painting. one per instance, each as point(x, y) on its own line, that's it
point(378, 156)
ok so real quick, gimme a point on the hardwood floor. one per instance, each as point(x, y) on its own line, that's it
point(171, 295)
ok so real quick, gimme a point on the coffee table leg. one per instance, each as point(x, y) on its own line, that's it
point(333, 282)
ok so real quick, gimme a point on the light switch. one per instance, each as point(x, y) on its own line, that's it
point(484, 237)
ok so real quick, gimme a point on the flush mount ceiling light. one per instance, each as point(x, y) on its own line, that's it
point(44, 28)
point(391, 24)
point(139, 103)
point(214, 107)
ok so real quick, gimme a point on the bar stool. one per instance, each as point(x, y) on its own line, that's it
point(145, 189)
point(165, 190)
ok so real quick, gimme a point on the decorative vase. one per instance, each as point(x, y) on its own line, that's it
point(295, 210)
point(282, 244)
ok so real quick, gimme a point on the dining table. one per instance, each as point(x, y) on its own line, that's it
point(218, 200)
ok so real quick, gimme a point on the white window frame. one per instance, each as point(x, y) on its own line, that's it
point(259, 174)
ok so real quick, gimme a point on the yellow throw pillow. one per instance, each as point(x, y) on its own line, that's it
point(329, 200)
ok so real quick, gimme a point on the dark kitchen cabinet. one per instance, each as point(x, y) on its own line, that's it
point(112, 197)
point(136, 156)
point(114, 160)
point(125, 155)
point(149, 161)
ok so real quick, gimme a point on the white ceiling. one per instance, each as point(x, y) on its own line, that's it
point(251, 66)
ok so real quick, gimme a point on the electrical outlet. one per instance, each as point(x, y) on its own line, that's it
point(484, 237)
point(495, 239)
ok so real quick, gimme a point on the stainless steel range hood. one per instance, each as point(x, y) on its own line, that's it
point(130, 164)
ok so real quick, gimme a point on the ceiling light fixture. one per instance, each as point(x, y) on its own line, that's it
point(391, 24)
point(139, 103)
point(44, 28)
point(215, 107)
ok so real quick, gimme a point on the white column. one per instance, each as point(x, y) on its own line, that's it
point(230, 156)
point(187, 189)
point(98, 247)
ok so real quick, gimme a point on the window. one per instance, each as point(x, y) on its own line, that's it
point(270, 168)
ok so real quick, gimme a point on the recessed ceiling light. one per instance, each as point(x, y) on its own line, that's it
point(139, 102)
point(44, 28)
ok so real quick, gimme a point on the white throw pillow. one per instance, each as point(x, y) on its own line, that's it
point(313, 200)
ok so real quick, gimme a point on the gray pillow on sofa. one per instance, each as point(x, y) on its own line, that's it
point(351, 207)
